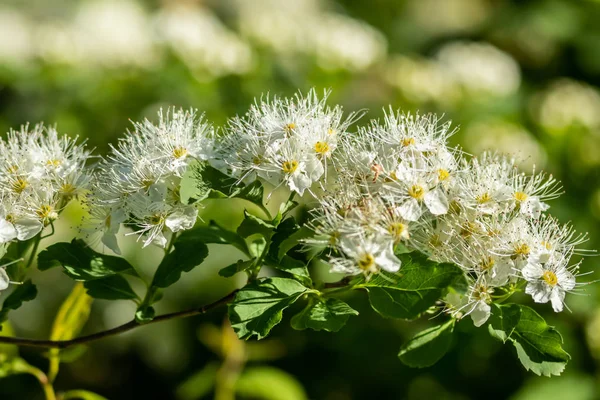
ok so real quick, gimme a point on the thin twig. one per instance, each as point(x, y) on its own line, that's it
point(63, 344)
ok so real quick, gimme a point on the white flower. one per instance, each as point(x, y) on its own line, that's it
point(367, 255)
point(284, 141)
point(549, 281)
point(138, 184)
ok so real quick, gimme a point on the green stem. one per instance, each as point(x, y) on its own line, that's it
point(42, 378)
point(63, 344)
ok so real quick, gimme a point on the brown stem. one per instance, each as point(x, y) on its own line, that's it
point(63, 344)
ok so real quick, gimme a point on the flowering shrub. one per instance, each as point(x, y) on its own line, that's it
point(422, 228)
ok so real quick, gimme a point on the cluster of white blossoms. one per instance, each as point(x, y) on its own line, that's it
point(399, 186)
point(40, 172)
point(284, 141)
point(138, 183)
point(391, 187)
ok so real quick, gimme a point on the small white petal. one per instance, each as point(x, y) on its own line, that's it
point(181, 220)
point(481, 313)
point(436, 201)
point(27, 228)
point(410, 210)
point(4, 279)
point(7, 231)
point(109, 239)
point(557, 298)
point(532, 271)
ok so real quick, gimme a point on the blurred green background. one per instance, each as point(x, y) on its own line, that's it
point(517, 76)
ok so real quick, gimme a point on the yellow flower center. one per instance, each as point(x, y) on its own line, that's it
point(487, 263)
point(180, 152)
point(417, 192)
point(520, 196)
point(435, 241)
point(156, 219)
point(483, 198)
point(257, 160)
point(67, 189)
point(407, 142)
point(443, 174)
point(467, 229)
point(331, 131)
point(19, 185)
point(366, 262)
point(12, 169)
point(10, 218)
point(522, 250)
point(546, 244)
point(397, 230)
point(288, 128)
point(322, 148)
point(550, 278)
point(53, 163)
point(45, 211)
point(289, 167)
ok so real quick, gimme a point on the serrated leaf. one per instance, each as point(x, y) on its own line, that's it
point(294, 267)
point(539, 346)
point(328, 314)
point(113, 287)
point(213, 233)
point(411, 291)
point(427, 347)
point(82, 263)
point(239, 266)
point(259, 306)
point(253, 193)
point(293, 240)
point(503, 321)
point(22, 293)
point(252, 225)
point(186, 255)
point(201, 181)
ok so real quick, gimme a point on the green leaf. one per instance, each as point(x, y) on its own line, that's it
point(110, 288)
point(503, 321)
point(292, 266)
point(539, 346)
point(427, 347)
point(268, 383)
point(24, 292)
point(293, 240)
point(252, 225)
point(412, 290)
point(82, 263)
point(202, 181)
point(186, 255)
point(257, 247)
point(259, 306)
point(239, 266)
point(213, 233)
point(284, 209)
point(324, 314)
point(69, 321)
point(253, 193)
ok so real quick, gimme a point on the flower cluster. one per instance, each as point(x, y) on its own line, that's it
point(138, 183)
point(398, 184)
point(40, 172)
point(285, 141)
